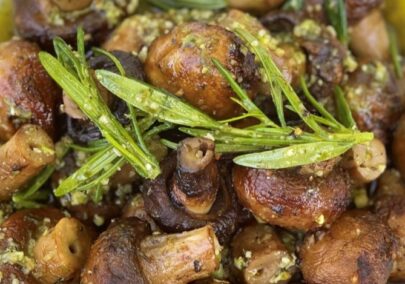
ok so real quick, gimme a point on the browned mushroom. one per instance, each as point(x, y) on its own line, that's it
point(291, 199)
point(43, 20)
point(258, 6)
point(390, 205)
point(374, 98)
point(326, 57)
point(369, 37)
point(366, 162)
point(181, 62)
point(31, 238)
point(126, 253)
point(398, 146)
point(27, 93)
point(61, 253)
point(358, 248)
point(23, 157)
point(288, 57)
point(358, 9)
point(180, 200)
point(261, 257)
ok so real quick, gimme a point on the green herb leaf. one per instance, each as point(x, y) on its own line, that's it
point(292, 156)
point(194, 4)
point(293, 5)
point(274, 75)
point(326, 114)
point(336, 12)
point(343, 109)
point(247, 103)
point(157, 103)
point(395, 56)
point(79, 85)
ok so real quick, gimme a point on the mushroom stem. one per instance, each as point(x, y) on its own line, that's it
point(23, 157)
point(61, 253)
point(366, 162)
point(180, 258)
point(196, 179)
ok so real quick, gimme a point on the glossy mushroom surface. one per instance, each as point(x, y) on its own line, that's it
point(27, 93)
point(290, 199)
point(358, 248)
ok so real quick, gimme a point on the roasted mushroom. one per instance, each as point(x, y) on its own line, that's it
point(192, 192)
point(390, 205)
point(374, 98)
point(291, 199)
point(261, 257)
point(369, 37)
point(325, 55)
point(43, 245)
point(126, 253)
point(181, 63)
point(61, 253)
point(358, 248)
point(27, 93)
point(288, 56)
point(22, 158)
point(43, 20)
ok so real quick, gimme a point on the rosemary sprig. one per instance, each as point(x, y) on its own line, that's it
point(193, 4)
point(309, 147)
point(72, 73)
point(336, 12)
point(395, 56)
point(343, 109)
point(295, 155)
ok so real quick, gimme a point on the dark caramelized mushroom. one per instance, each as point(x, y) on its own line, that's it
point(180, 200)
point(27, 93)
point(291, 199)
point(125, 253)
point(358, 248)
point(398, 146)
point(390, 205)
point(374, 98)
point(369, 37)
point(196, 180)
point(261, 256)
point(181, 62)
point(43, 245)
point(326, 56)
point(22, 158)
point(358, 9)
point(43, 20)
